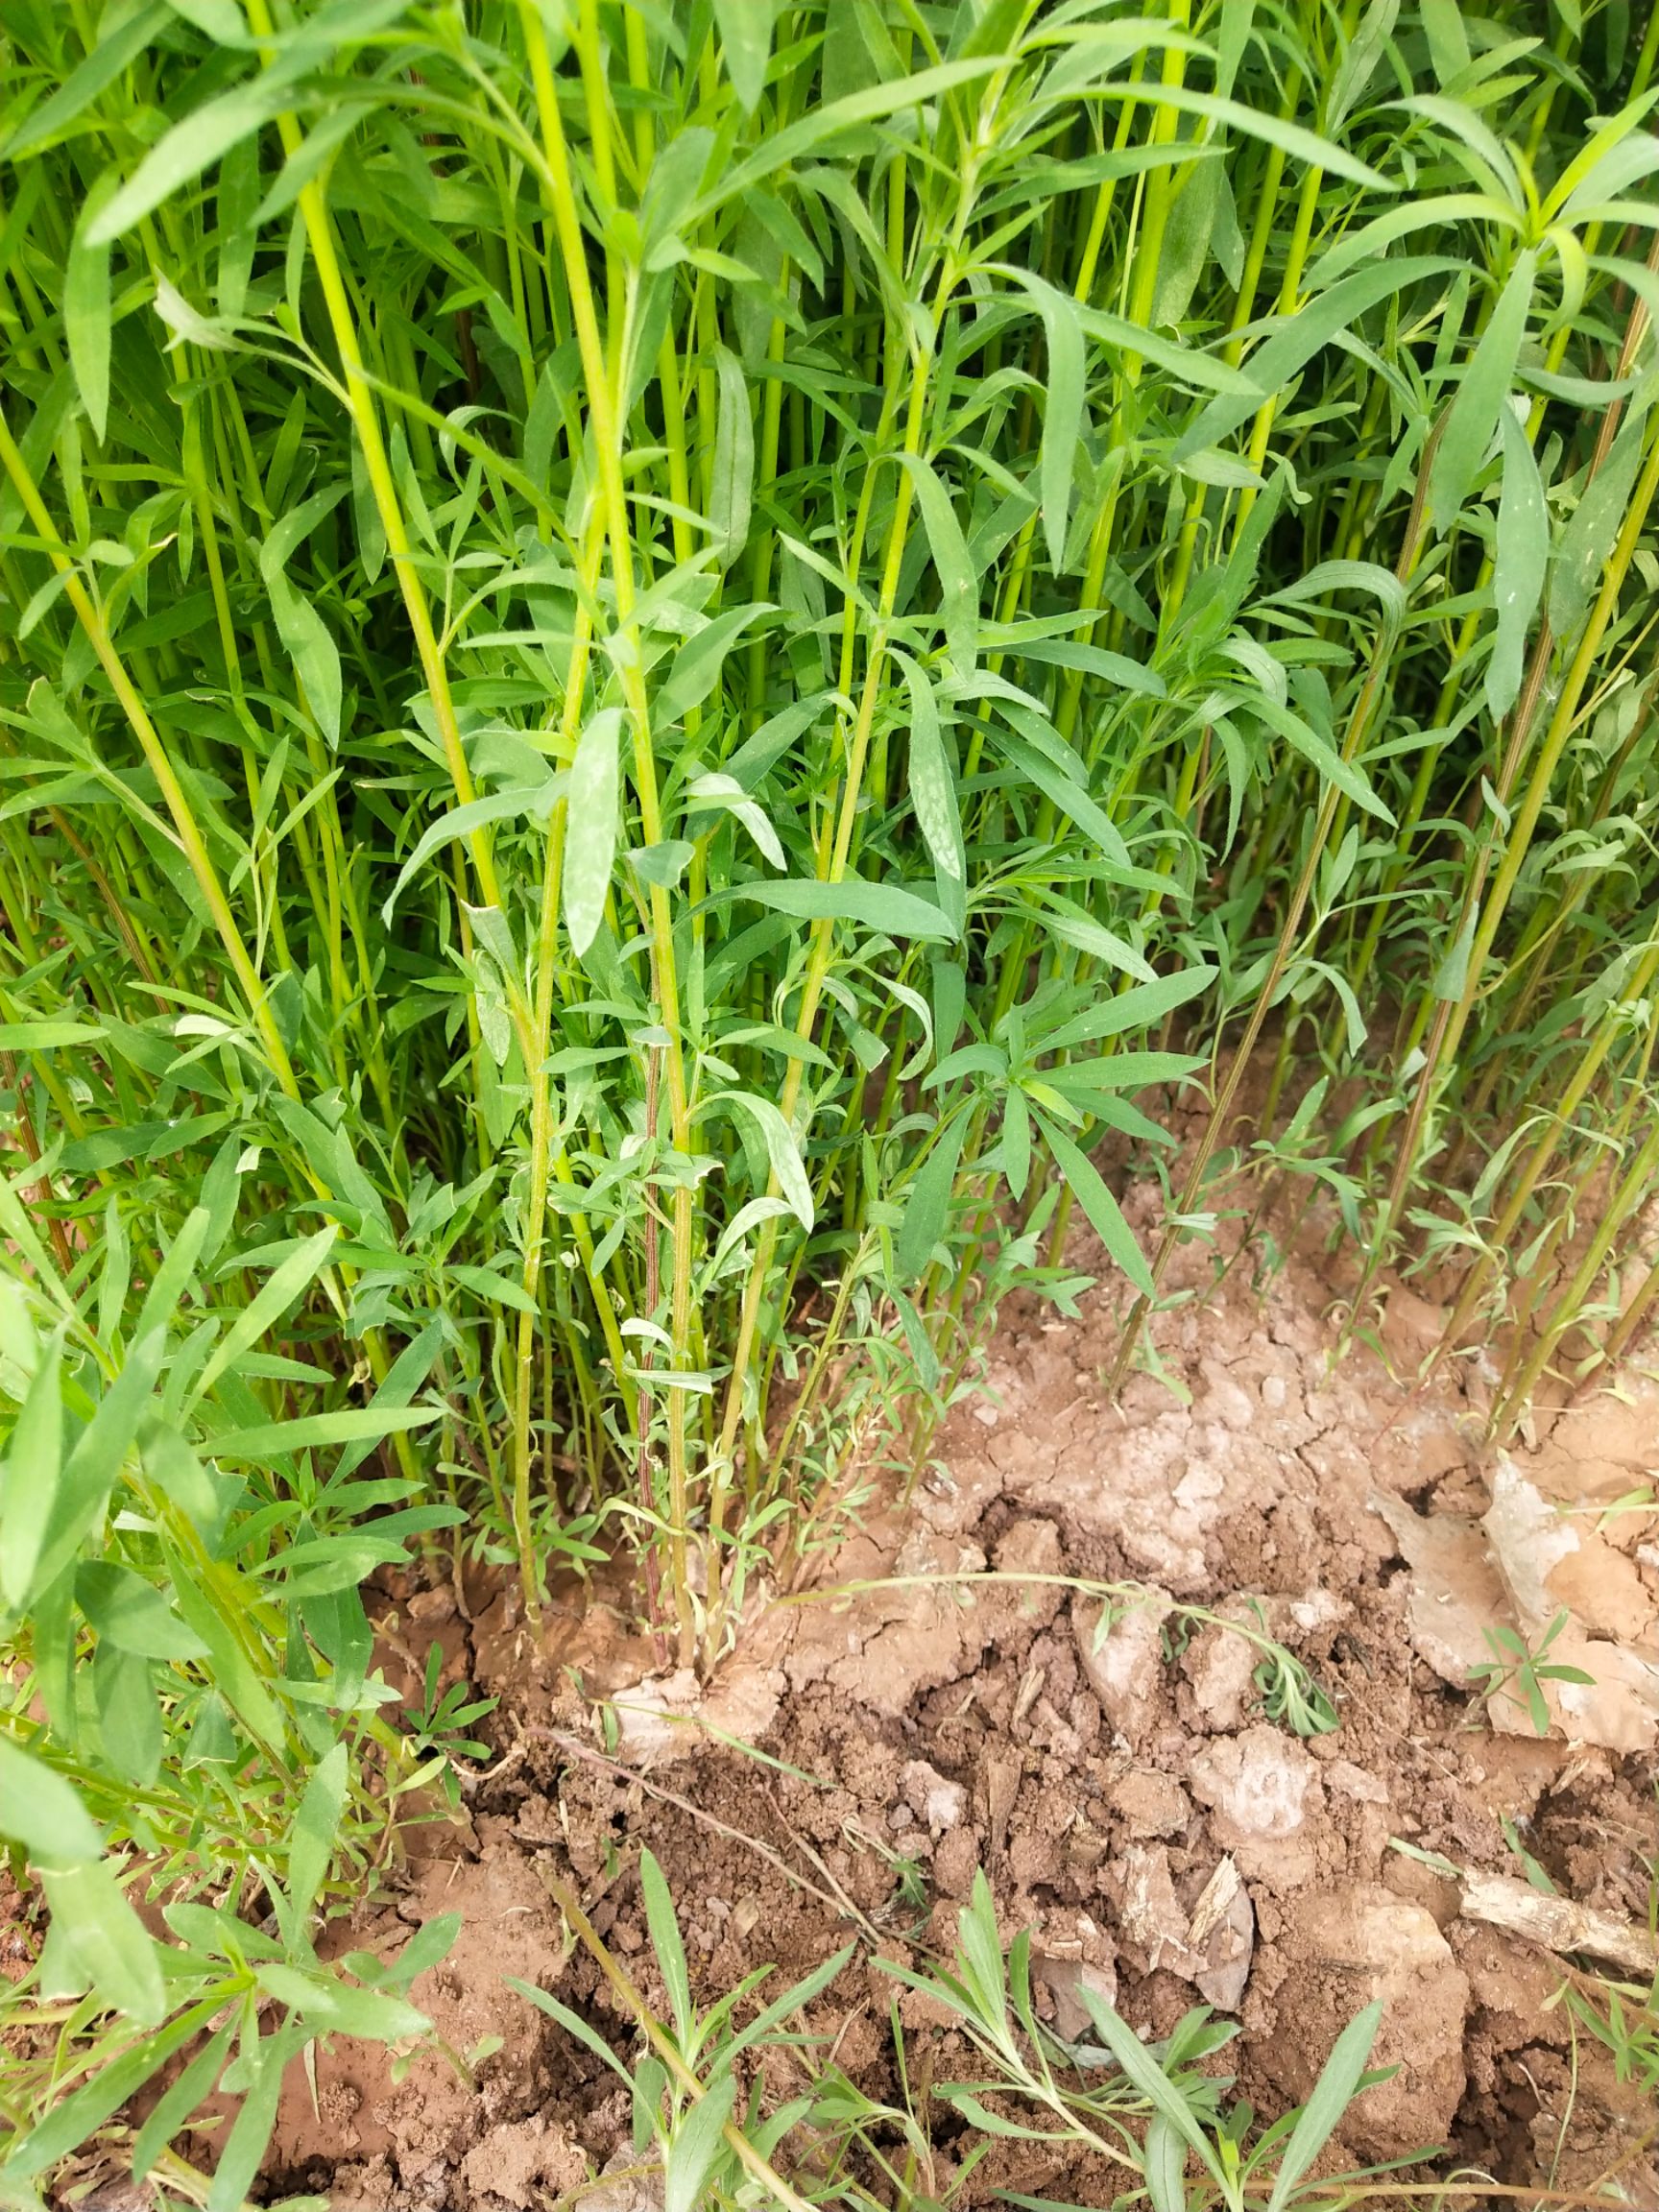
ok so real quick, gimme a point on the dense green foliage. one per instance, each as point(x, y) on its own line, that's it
point(654, 659)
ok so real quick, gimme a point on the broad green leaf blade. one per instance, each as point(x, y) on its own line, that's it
point(1482, 388)
point(782, 1150)
point(932, 785)
point(734, 471)
point(746, 28)
point(41, 1810)
point(1594, 526)
point(108, 1940)
point(30, 1476)
point(1521, 555)
point(697, 2143)
point(591, 827)
point(1165, 2166)
point(882, 906)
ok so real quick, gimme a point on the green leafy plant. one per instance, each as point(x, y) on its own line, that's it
point(108, 2004)
point(1519, 1671)
point(436, 1734)
point(1141, 2109)
point(1623, 2018)
point(668, 674)
point(188, 1713)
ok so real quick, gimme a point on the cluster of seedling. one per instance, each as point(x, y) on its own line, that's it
point(656, 663)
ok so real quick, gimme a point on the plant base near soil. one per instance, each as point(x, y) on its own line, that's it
point(1097, 1828)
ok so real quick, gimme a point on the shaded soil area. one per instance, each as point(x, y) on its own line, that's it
point(1129, 1798)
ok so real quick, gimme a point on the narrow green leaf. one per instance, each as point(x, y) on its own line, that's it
point(315, 656)
point(958, 590)
point(231, 1670)
point(982, 1956)
point(48, 1034)
point(244, 2148)
point(573, 2025)
point(328, 2006)
point(1293, 138)
point(113, 53)
point(128, 1714)
point(537, 800)
point(1165, 2166)
point(725, 792)
point(928, 1205)
point(1105, 1216)
point(179, 2100)
point(697, 664)
point(282, 1287)
point(312, 1838)
point(1482, 389)
point(1139, 1007)
point(98, 1456)
point(72, 2118)
point(1144, 2073)
point(195, 144)
point(316, 1431)
point(1448, 42)
point(1333, 2094)
point(782, 1148)
point(1289, 346)
point(1320, 752)
point(1063, 404)
point(666, 1939)
point(133, 1614)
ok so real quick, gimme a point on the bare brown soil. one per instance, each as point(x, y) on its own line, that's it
point(1102, 1788)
